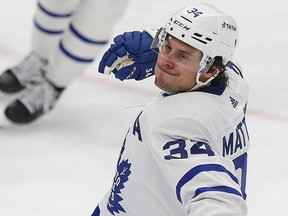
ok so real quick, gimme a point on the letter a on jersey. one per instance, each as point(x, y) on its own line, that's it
point(136, 128)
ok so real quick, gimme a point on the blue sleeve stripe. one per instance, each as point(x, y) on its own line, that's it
point(47, 31)
point(224, 189)
point(52, 14)
point(199, 169)
point(96, 211)
point(85, 39)
point(75, 58)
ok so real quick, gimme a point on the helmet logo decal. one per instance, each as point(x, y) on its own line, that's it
point(195, 11)
point(183, 26)
point(229, 26)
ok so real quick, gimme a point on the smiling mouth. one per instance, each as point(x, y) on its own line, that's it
point(165, 71)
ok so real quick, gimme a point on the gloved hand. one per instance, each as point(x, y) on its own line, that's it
point(130, 57)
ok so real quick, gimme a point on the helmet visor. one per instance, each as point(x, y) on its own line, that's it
point(176, 51)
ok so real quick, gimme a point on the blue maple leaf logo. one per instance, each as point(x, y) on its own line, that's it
point(121, 176)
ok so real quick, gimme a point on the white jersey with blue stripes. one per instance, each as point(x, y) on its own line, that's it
point(185, 154)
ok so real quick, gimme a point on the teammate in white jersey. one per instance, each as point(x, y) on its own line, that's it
point(67, 36)
point(186, 152)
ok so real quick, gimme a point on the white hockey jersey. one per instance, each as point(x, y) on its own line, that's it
point(185, 154)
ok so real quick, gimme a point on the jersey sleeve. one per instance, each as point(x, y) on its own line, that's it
point(204, 182)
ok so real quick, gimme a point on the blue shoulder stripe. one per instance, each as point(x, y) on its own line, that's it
point(224, 189)
point(199, 169)
point(50, 13)
point(85, 39)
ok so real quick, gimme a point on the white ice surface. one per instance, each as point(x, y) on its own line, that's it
point(64, 163)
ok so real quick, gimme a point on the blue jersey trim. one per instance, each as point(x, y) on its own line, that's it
point(53, 14)
point(96, 211)
point(165, 94)
point(75, 58)
point(47, 31)
point(235, 68)
point(198, 169)
point(85, 39)
point(217, 89)
point(224, 189)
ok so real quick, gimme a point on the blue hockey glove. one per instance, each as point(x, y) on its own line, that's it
point(130, 57)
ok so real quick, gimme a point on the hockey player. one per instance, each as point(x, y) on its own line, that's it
point(186, 152)
point(67, 36)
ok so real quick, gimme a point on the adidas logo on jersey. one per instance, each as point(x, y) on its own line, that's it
point(233, 102)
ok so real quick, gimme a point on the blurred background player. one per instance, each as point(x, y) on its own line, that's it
point(67, 36)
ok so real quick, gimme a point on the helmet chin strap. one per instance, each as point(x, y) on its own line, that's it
point(200, 84)
point(204, 70)
point(206, 64)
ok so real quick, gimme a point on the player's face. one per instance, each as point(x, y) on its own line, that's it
point(177, 66)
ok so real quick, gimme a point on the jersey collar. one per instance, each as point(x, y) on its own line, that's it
point(216, 90)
